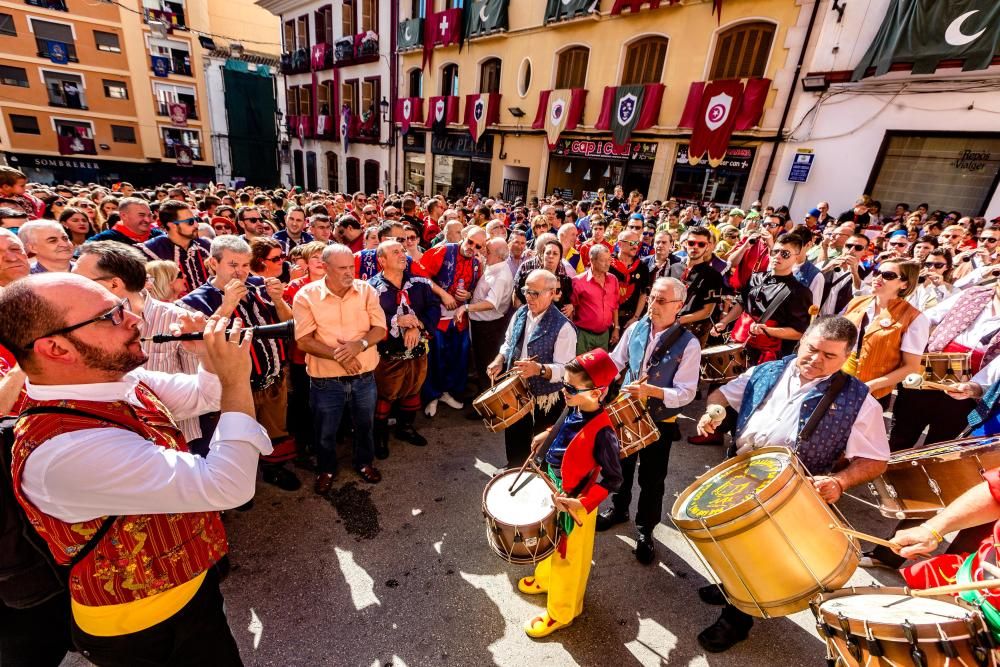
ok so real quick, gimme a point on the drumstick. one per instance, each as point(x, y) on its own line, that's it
point(917, 381)
point(990, 567)
point(518, 476)
point(864, 536)
point(554, 489)
point(956, 588)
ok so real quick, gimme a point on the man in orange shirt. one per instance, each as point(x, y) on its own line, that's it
point(338, 321)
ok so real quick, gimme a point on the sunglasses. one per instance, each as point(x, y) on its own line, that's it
point(116, 316)
point(772, 225)
point(536, 293)
point(634, 229)
point(662, 301)
point(885, 275)
point(188, 221)
point(935, 265)
point(899, 244)
point(61, 202)
point(854, 246)
point(696, 244)
point(274, 260)
point(412, 237)
point(499, 210)
point(987, 239)
point(779, 252)
point(86, 205)
point(631, 243)
point(257, 219)
point(574, 391)
point(221, 228)
point(476, 246)
point(648, 234)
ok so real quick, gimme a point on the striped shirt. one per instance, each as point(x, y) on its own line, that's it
point(191, 260)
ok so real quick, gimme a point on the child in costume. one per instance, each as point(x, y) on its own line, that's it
point(582, 460)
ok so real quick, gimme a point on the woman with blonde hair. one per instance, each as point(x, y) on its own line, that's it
point(88, 207)
point(165, 280)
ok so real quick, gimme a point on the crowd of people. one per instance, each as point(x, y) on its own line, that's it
point(400, 304)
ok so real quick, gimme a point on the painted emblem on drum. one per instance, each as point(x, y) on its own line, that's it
point(731, 487)
point(530, 542)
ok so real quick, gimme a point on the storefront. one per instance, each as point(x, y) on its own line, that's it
point(579, 167)
point(951, 171)
point(414, 161)
point(52, 169)
point(725, 184)
point(461, 166)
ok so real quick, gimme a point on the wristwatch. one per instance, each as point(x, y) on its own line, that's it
point(364, 344)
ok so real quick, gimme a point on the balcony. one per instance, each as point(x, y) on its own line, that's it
point(68, 104)
point(163, 109)
point(295, 62)
point(300, 127)
point(355, 50)
point(57, 5)
point(365, 131)
point(43, 49)
point(173, 65)
point(170, 150)
point(173, 19)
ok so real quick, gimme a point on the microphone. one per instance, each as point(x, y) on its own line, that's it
point(280, 331)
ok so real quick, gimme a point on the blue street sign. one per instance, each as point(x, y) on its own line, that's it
point(801, 166)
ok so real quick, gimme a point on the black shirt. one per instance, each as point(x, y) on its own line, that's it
point(703, 282)
point(633, 284)
point(414, 222)
point(862, 221)
point(793, 311)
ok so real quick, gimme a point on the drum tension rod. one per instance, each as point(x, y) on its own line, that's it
point(853, 645)
point(947, 647)
point(873, 645)
point(916, 653)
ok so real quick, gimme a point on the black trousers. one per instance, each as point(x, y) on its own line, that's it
point(916, 409)
point(517, 437)
point(486, 340)
point(37, 636)
point(300, 420)
point(652, 462)
point(196, 636)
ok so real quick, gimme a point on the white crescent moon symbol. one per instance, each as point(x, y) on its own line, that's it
point(954, 35)
point(406, 32)
point(482, 14)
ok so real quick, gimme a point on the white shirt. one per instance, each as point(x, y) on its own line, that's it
point(926, 291)
point(776, 421)
point(496, 287)
point(988, 322)
point(972, 277)
point(98, 472)
point(915, 337)
point(988, 374)
point(685, 383)
point(563, 352)
point(157, 316)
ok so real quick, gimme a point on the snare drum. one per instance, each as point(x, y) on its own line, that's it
point(520, 527)
point(887, 626)
point(758, 523)
point(505, 402)
point(947, 367)
point(633, 425)
point(722, 363)
point(918, 483)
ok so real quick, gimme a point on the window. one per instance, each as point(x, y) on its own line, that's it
point(524, 78)
point(369, 15)
point(290, 35)
point(167, 94)
point(74, 128)
point(323, 20)
point(372, 169)
point(324, 97)
point(65, 90)
point(46, 31)
point(292, 101)
point(449, 79)
point(417, 9)
point(123, 134)
point(175, 52)
point(7, 26)
point(741, 52)
point(370, 89)
point(305, 101)
point(107, 41)
point(489, 76)
point(302, 31)
point(571, 70)
point(349, 95)
point(644, 61)
point(416, 83)
point(57, 5)
point(332, 172)
point(173, 137)
point(117, 90)
point(353, 174)
point(24, 124)
point(348, 25)
point(13, 76)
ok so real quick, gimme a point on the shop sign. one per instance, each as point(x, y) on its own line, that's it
point(461, 145)
point(414, 141)
point(39, 162)
point(972, 160)
point(590, 148)
point(737, 159)
point(565, 194)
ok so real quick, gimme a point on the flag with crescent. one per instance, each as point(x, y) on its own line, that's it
point(482, 17)
point(409, 33)
point(714, 123)
point(409, 110)
point(922, 34)
point(626, 109)
point(481, 111)
point(561, 10)
point(559, 110)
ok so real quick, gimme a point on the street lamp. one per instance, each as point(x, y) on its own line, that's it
point(384, 106)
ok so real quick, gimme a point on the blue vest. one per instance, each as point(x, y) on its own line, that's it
point(984, 419)
point(541, 345)
point(806, 273)
point(829, 441)
point(662, 363)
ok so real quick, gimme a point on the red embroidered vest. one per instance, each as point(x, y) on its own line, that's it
point(141, 555)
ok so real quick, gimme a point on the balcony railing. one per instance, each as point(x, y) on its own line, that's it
point(362, 48)
point(295, 62)
point(57, 5)
point(163, 109)
point(68, 104)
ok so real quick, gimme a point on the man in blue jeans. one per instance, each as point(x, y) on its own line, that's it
point(338, 321)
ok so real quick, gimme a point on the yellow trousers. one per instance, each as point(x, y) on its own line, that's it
point(566, 578)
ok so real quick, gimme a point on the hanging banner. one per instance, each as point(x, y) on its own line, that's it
point(57, 52)
point(559, 110)
point(178, 114)
point(185, 156)
point(720, 102)
point(161, 66)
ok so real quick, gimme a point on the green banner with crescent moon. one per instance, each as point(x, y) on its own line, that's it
point(560, 10)
point(485, 16)
point(410, 34)
point(924, 33)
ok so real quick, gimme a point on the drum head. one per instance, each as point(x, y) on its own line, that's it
point(720, 349)
point(735, 484)
point(531, 504)
point(894, 609)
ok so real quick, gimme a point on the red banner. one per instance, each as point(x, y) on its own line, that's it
point(75, 144)
point(559, 110)
point(481, 111)
point(752, 106)
point(689, 117)
point(178, 114)
point(409, 110)
point(716, 117)
point(442, 111)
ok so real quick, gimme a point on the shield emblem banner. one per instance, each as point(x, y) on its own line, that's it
point(627, 108)
point(719, 108)
point(439, 111)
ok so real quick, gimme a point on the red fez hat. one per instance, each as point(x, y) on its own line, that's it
point(222, 220)
point(599, 366)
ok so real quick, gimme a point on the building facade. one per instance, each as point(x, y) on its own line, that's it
point(105, 92)
point(904, 127)
point(337, 63)
point(598, 58)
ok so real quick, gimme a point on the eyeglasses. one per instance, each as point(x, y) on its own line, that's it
point(534, 294)
point(648, 234)
point(696, 244)
point(410, 237)
point(116, 316)
point(573, 391)
point(779, 252)
point(854, 246)
point(277, 259)
point(190, 221)
point(477, 246)
point(935, 265)
point(987, 239)
point(86, 205)
point(899, 244)
point(246, 219)
point(636, 228)
point(59, 202)
point(885, 275)
point(772, 224)
point(630, 243)
point(661, 301)
point(499, 210)
point(222, 228)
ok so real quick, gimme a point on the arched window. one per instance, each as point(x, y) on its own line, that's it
point(571, 68)
point(416, 82)
point(489, 76)
point(332, 172)
point(449, 79)
point(644, 61)
point(741, 52)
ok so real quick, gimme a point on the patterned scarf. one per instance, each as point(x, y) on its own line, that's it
point(966, 311)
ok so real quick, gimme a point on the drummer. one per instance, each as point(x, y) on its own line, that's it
point(582, 460)
point(703, 282)
point(662, 362)
point(776, 402)
point(538, 343)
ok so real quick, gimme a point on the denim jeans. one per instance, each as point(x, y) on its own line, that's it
point(329, 397)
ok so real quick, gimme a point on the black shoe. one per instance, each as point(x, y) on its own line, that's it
point(610, 517)
point(645, 549)
point(381, 451)
point(409, 434)
point(380, 435)
point(245, 507)
point(282, 478)
point(712, 594)
point(732, 627)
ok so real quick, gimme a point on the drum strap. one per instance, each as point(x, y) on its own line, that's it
point(776, 304)
point(839, 380)
point(551, 437)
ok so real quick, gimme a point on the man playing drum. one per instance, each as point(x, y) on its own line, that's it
point(582, 460)
point(704, 283)
point(538, 343)
point(663, 360)
point(804, 403)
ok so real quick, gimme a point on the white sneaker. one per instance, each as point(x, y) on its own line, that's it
point(450, 401)
point(431, 408)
